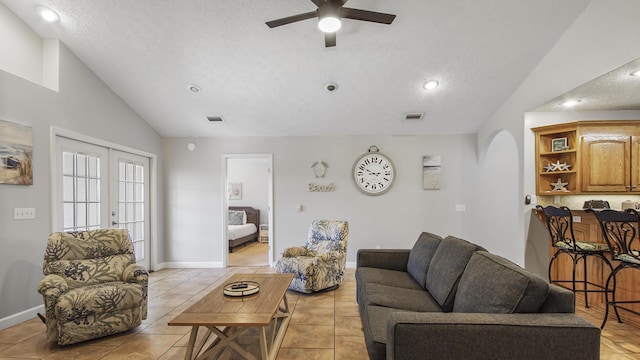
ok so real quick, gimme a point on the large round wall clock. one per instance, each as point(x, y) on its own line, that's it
point(374, 172)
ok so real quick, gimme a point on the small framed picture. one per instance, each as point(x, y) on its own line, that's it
point(235, 191)
point(559, 144)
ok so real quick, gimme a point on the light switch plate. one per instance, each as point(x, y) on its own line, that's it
point(24, 213)
point(461, 207)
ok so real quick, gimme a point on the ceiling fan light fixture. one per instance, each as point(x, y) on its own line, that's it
point(329, 24)
point(329, 17)
point(49, 15)
point(635, 73)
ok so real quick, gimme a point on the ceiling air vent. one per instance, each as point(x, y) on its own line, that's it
point(215, 118)
point(414, 116)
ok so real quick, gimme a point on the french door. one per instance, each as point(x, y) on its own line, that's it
point(98, 187)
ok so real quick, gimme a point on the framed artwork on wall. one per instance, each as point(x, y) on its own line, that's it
point(235, 191)
point(16, 154)
point(431, 175)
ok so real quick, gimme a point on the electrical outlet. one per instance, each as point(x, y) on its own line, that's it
point(461, 207)
point(24, 213)
point(577, 218)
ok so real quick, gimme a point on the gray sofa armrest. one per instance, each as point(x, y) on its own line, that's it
point(391, 259)
point(491, 336)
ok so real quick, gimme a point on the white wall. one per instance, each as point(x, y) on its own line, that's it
point(495, 224)
point(84, 105)
point(21, 49)
point(601, 39)
point(253, 174)
point(393, 220)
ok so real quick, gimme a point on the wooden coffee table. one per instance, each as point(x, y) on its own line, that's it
point(228, 317)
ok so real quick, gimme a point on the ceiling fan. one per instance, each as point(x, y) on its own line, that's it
point(329, 14)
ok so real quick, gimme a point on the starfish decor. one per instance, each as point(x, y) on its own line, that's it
point(557, 166)
point(559, 185)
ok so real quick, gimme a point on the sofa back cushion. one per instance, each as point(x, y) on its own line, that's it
point(421, 255)
point(492, 284)
point(445, 269)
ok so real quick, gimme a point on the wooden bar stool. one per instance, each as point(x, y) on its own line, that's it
point(620, 230)
point(559, 222)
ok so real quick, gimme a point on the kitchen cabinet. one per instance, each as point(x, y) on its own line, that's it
point(610, 159)
point(588, 157)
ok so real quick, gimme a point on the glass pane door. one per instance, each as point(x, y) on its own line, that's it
point(130, 194)
point(97, 187)
point(82, 171)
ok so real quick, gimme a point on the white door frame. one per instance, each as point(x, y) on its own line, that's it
point(153, 182)
point(225, 203)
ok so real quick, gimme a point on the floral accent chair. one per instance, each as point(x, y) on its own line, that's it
point(92, 285)
point(320, 264)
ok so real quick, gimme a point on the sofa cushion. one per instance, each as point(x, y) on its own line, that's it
point(493, 284)
point(398, 298)
point(420, 256)
point(366, 275)
point(446, 267)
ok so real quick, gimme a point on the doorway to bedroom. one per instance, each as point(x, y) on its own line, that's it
point(248, 209)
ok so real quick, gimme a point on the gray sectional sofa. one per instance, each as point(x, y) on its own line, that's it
point(451, 299)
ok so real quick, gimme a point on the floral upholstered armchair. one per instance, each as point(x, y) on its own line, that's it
point(92, 285)
point(320, 264)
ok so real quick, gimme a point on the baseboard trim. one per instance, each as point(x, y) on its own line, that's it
point(20, 317)
point(351, 264)
point(189, 265)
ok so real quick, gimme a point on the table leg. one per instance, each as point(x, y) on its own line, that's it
point(192, 342)
point(264, 350)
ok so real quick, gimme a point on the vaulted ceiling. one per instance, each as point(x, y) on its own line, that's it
point(264, 81)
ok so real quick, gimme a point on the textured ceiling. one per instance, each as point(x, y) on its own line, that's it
point(272, 81)
point(615, 90)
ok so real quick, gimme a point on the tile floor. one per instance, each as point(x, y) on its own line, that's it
point(323, 326)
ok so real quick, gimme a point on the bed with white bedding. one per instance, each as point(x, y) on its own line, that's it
point(243, 226)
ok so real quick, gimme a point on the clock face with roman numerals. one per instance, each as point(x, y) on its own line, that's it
point(373, 173)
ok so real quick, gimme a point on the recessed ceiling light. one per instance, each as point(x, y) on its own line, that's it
point(194, 88)
point(430, 85)
point(635, 73)
point(48, 14)
point(570, 103)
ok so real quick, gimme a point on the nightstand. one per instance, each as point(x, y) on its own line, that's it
point(264, 233)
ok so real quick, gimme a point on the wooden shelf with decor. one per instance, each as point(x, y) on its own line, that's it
point(557, 160)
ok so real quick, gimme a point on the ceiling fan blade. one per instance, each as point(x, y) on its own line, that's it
point(365, 15)
point(292, 19)
point(317, 2)
point(329, 39)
